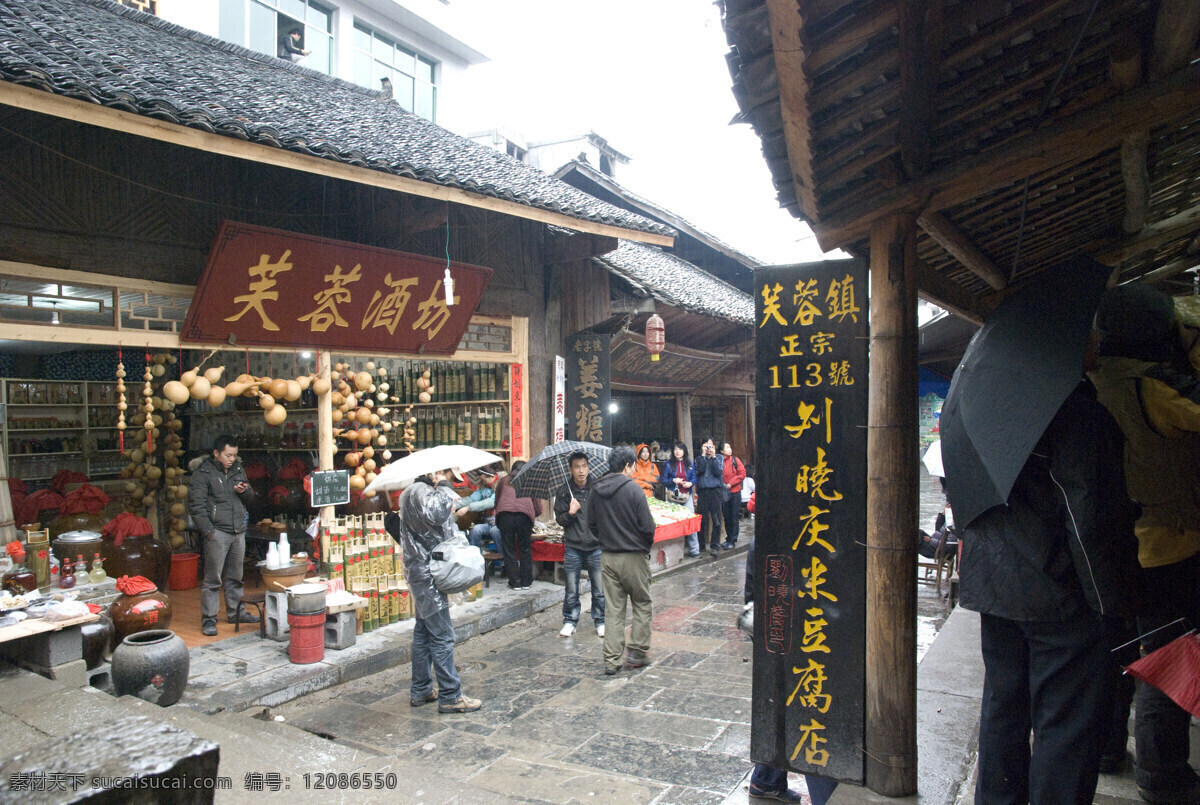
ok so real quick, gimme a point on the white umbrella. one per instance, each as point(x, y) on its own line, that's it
point(933, 459)
point(423, 462)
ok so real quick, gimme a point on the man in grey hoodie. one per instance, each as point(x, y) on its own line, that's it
point(619, 516)
point(217, 496)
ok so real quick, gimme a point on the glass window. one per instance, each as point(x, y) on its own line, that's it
point(231, 21)
point(293, 8)
point(320, 48)
point(412, 75)
point(263, 37)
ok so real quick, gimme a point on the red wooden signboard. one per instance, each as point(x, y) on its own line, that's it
point(516, 392)
point(267, 287)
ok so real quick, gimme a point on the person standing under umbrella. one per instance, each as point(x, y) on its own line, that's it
point(581, 547)
point(1145, 380)
point(424, 519)
point(1047, 549)
point(711, 491)
point(514, 518)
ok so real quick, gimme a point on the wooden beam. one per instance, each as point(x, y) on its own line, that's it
point(1071, 139)
point(91, 114)
point(953, 240)
point(569, 248)
point(920, 50)
point(1171, 269)
point(892, 493)
point(789, 50)
point(948, 295)
point(1175, 30)
point(1125, 66)
point(1151, 237)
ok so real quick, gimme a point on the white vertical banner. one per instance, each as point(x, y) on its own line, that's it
point(560, 398)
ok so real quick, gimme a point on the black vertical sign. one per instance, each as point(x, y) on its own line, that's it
point(810, 563)
point(589, 392)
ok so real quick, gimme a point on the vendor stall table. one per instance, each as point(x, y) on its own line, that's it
point(35, 626)
point(554, 551)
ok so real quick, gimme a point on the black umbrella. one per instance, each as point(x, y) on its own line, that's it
point(546, 472)
point(1016, 373)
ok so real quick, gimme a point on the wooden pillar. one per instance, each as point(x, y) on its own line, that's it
point(683, 422)
point(324, 426)
point(892, 494)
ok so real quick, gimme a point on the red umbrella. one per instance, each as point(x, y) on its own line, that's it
point(1175, 670)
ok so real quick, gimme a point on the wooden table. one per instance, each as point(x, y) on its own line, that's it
point(35, 626)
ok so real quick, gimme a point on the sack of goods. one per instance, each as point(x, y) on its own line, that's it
point(456, 566)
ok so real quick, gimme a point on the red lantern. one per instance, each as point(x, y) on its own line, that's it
point(656, 335)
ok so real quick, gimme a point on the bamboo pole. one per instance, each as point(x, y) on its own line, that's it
point(891, 673)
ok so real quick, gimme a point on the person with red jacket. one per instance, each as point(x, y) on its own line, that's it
point(733, 474)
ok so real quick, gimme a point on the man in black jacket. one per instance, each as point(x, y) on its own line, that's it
point(217, 496)
point(581, 548)
point(1050, 573)
point(619, 516)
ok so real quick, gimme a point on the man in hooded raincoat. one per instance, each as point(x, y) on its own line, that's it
point(425, 518)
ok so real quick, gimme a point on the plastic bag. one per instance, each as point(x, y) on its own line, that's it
point(745, 621)
point(66, 611)
point(455, 565)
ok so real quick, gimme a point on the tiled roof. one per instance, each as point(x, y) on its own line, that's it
point(678, 283)
point(118, 57)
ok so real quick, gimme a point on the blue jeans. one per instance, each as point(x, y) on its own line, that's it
point(481, 533)
point(433, 642)
point(573, 562)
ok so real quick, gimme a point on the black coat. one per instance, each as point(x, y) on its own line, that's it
point(619, 515)
point(576, 533)
point(1065, 540)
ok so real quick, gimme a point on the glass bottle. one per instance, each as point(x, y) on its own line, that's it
point(20, 579)
point(81, 570)
point(66, 576)
point(97, 575)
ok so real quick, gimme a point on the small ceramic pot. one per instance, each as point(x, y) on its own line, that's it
point(139, 613)
point(151, 665)
point(97, 638)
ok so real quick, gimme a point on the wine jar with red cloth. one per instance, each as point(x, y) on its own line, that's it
point(141, 607)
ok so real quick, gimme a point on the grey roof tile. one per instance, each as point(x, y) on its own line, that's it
point(678, 283)
point(118, 57)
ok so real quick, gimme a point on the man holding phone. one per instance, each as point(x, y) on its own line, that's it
point(217, 496)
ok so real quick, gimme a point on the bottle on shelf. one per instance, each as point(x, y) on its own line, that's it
point(20, 579)
point(81, 570)
point(97, 574)
point(66, 576)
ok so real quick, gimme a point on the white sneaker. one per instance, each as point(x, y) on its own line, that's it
point(567, 630)
point(600, 630)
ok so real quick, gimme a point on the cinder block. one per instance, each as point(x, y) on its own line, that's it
point(100, 677)
point(48, 648)
point(72, 674)
point(276, 615)
point(339, 630)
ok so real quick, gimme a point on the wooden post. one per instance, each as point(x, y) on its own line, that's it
point(324, 427)
point(683, 422)
point(891, 673)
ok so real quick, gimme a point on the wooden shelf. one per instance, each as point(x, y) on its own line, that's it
point(43, 455)
point(15, 432)
point(254, 411)
point(45, 405)
point(435, 404)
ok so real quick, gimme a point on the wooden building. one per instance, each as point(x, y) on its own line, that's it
point(965, 147)
point(126, 141)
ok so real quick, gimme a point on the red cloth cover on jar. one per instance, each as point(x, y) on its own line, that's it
point(87, 499)
point(64, 477)
point(127, 524)
point(36, 502)
point(135, 585)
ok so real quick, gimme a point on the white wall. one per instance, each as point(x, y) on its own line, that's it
point(429, 26)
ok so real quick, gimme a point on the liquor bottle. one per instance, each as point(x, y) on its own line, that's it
point(502, 391)
point(81, 571)
point(466, 434)
point(66, 577)
point(97, 574)
point(460, 383)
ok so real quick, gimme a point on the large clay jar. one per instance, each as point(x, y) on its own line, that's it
point(77, 522)
point(139, 613)
point(151, 665)
point(139, 556)
point(97, 638)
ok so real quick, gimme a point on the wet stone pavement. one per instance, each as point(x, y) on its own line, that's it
point(554, 728)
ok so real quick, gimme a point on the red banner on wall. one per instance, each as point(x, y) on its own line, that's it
point(516, 395)
point(267, 287)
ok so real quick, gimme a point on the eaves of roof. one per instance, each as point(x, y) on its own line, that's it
point(106, 54)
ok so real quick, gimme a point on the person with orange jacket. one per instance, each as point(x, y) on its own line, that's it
point(645, 471)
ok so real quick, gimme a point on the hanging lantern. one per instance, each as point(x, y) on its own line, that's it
point(656, 335)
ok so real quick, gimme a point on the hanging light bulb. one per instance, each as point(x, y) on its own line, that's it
point(449, 283)
point(54, 313)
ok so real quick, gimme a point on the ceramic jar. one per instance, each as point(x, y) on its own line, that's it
point(138, 613)
point(151, 665)
point(97, 638)
point(139, 556)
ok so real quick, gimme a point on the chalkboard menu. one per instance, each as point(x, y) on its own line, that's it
point(809, 562)
point(330, 488)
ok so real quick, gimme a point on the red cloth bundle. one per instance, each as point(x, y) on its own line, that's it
point(64, 477)
point(126, 524)
point(15, 547)
point(294, 470)
point(17, 499)
point(16, 485)
point(87, 499)
point(36, 502)
point(256, 471)
point(135, 585)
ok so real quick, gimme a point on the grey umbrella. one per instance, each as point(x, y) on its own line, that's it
point(546, 472)
point(1016, 373)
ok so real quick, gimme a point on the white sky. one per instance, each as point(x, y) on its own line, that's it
point(650, 77)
